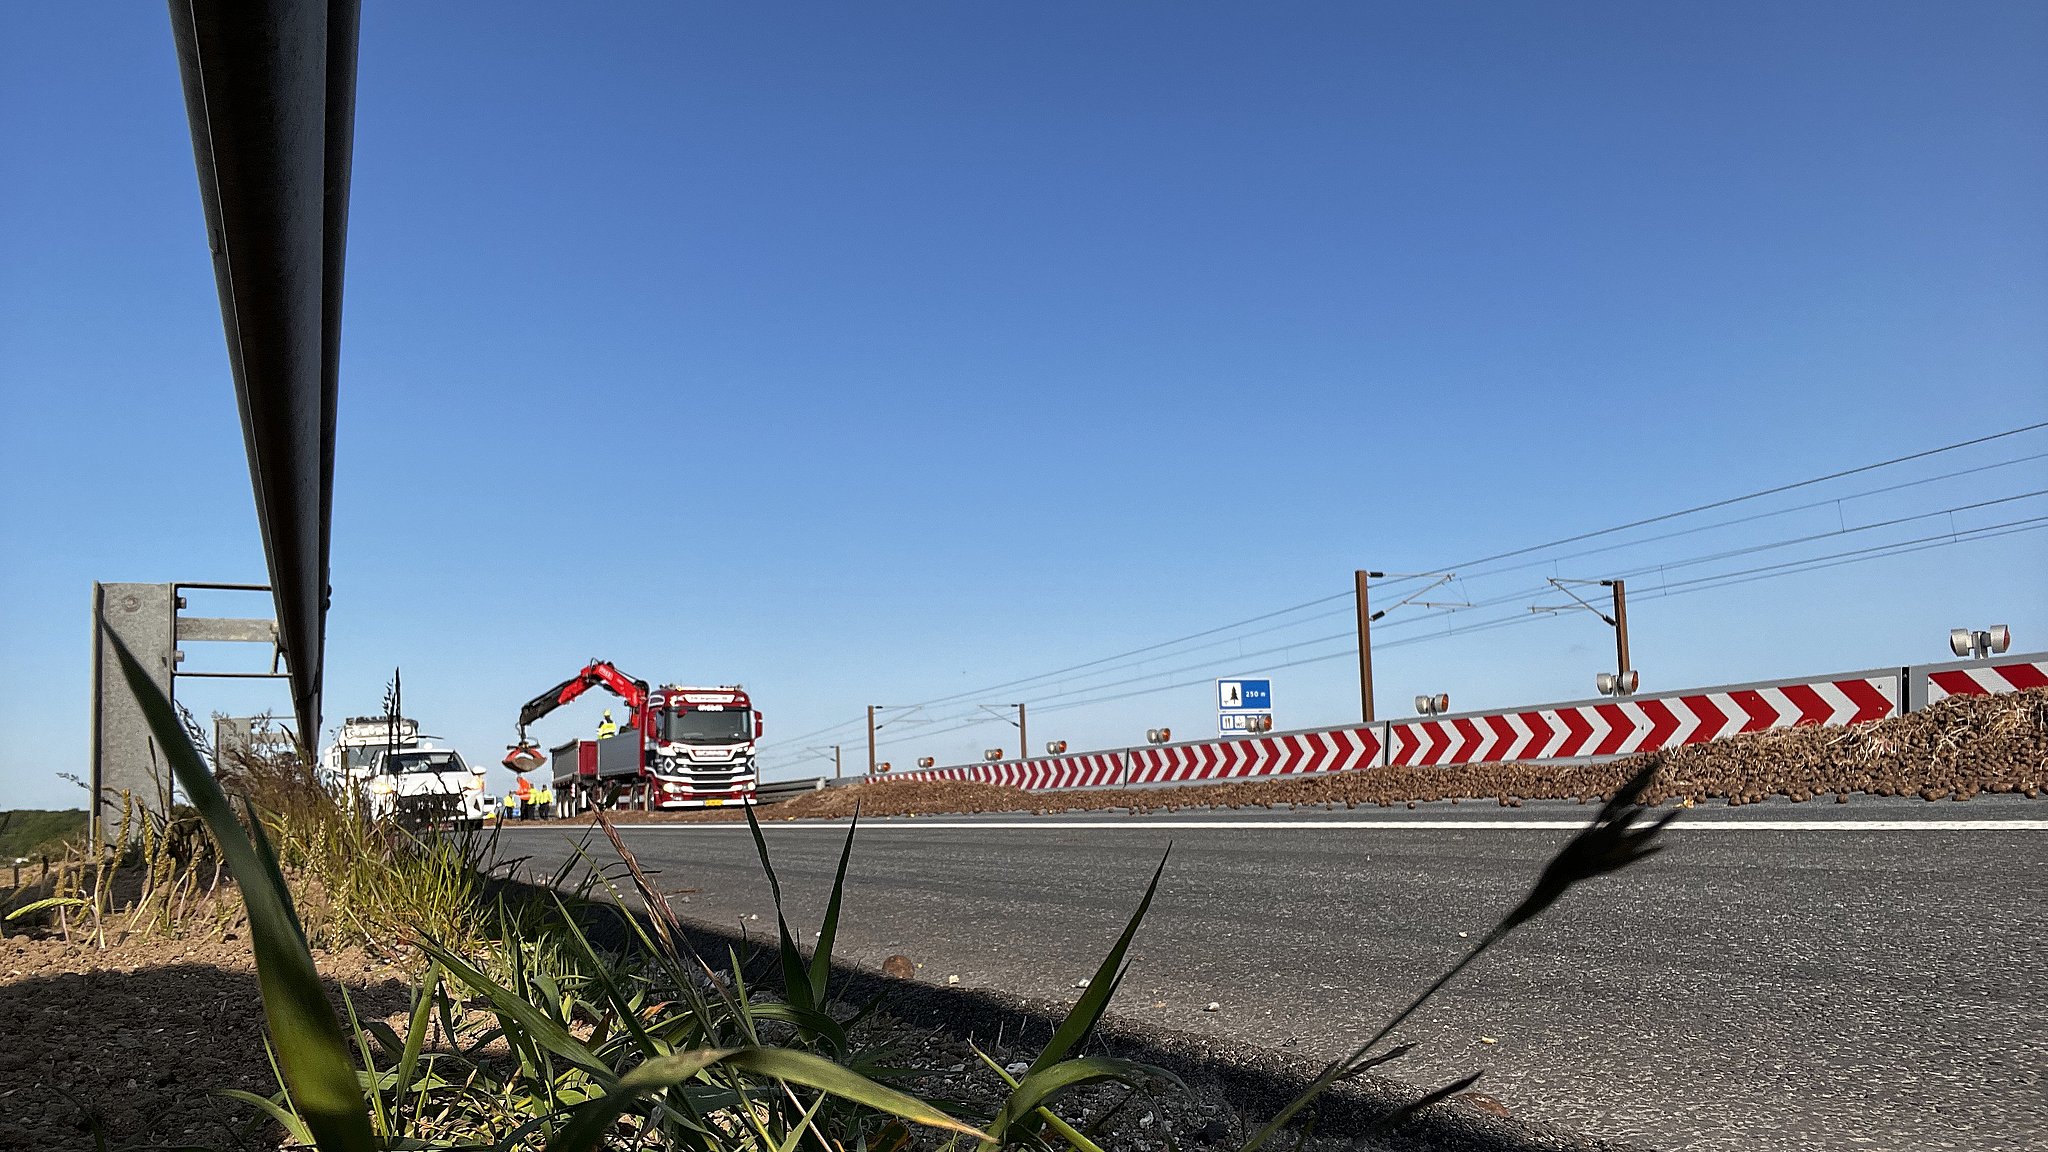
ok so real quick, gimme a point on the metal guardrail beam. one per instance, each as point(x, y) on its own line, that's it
point(777, 790)
point(270, 93)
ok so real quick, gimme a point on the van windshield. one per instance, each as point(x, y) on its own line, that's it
point(405, 762)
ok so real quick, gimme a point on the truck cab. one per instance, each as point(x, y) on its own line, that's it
point(701, 748)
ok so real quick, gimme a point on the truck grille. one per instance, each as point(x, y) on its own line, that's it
point(701, 786)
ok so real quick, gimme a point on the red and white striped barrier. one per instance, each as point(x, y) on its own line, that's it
point(1987, 678)
point(1263, 756)
point(1094, 770)
point(1639, 724)
point(1566, 731)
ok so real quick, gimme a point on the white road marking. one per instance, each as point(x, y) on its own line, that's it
point(1680, 825)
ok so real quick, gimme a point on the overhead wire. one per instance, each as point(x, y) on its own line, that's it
point(1047, 703)
point(1943, 540)
point(1122, 660)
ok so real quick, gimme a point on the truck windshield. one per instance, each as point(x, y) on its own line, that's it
point(424, 762)
point(700, 727)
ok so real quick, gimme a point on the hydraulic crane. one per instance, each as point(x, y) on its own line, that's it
point(525, 755)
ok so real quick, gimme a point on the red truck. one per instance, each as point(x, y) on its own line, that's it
point(680, 747)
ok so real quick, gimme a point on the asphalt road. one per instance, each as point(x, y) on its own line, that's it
point(1813, 976)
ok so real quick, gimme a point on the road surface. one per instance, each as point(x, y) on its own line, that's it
point(1816, 976)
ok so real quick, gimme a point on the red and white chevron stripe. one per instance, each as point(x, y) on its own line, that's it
point(1090, 771)
point(1605, 728)
point(1261, 756)
point(1638, 725)
point(1987, 679)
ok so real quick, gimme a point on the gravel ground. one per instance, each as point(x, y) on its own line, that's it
point(132, 1042)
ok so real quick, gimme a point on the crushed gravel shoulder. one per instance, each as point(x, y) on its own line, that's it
point(132, 1043)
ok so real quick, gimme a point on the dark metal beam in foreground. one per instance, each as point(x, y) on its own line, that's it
point(270, 91)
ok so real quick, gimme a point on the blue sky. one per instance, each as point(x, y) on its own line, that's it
point(873, 354)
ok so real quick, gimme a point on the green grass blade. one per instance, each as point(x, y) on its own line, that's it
point(1089, 1008)
point(796, 982)
point(808, 1020)
point(380, 1121)
point(822, 1074)
point(821, 956)
point(293, 1126)
point(416, 1039)
point(1036, 1088)
point(591, 1121)
point(539, 1028)
point(601, 972)
point(268, 857)
point(312, 1055)
point(1067, 1132)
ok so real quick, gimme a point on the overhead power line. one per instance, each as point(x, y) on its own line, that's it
point(1046, 704)
point(1756, 495)
point(1110, 664)
point(1858, 556)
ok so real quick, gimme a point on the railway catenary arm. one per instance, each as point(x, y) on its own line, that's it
point(270, 91)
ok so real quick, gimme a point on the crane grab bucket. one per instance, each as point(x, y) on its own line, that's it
point(524, 757)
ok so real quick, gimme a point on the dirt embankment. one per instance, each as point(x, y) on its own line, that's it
point(1955, 749)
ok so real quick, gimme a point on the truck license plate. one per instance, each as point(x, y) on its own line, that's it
point(714, 802)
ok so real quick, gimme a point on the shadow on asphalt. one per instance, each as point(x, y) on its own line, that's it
point(1257, 1081)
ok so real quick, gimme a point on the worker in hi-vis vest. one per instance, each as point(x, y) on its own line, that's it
point(606, 727)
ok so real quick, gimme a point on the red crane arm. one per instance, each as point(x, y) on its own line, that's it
point(596, 674)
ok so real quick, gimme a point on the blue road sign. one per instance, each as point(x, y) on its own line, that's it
point(1244, 695)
